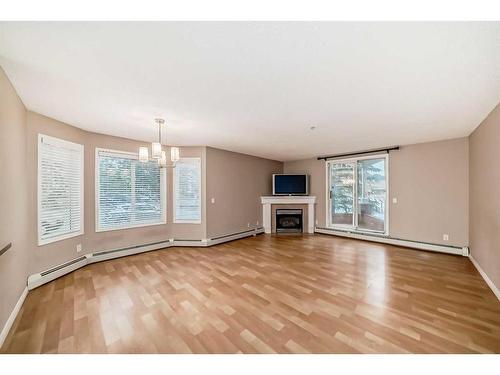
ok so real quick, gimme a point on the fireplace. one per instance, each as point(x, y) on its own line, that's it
point(288, 220)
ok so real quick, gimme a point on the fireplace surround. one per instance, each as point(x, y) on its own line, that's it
point(308, 217)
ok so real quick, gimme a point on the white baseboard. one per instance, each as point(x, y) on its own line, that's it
point(396, 241)
point(41, 278)
point(8, 324)
point(488, 281)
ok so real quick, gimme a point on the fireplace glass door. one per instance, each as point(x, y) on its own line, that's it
point(288, 220)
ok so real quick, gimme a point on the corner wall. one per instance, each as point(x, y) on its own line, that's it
point(430, 181)
point(236, 182)
point(13, 202)
point(484, 185)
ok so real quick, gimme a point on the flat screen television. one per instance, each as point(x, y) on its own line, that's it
point(290, 184)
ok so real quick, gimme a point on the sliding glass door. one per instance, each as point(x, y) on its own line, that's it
point(371, 194)
point(358, 194)
point(342, 194)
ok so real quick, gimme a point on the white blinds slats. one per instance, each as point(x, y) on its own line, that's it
point(187, 190)
point(60, 189)
point(130, 193)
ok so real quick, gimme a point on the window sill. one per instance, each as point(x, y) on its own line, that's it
point(98, 230)
point(60, 238)
point(187, 221)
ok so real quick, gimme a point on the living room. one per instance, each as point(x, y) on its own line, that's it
point(249, 187)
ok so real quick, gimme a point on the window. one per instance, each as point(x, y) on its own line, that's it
point(129, 193)
point(358, 194)
point(60, 189)
point(187, 191)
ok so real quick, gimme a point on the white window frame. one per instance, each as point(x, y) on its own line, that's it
point(181, 221)
point(69, 145)
point(163, 191)
point(354, 228)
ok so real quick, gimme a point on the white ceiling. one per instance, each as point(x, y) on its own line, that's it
point(256, 87)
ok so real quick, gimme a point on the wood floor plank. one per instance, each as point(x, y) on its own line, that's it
point(265, 294)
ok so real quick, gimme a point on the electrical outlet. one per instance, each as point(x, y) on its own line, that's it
point(257, 222)
point(78, 247)
point(248, 225)
point(395, 200)
point(317, 222)
point(446, 237)
point(213, 200)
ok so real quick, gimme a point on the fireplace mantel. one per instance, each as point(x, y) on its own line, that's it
point(267, 201)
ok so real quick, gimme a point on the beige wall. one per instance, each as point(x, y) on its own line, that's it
point(430, 181)
point(55, 253)
point(237, 182)
point(13, 203)
point(484, 223)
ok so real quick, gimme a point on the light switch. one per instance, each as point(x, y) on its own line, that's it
point(213, 200)
point(395, 200)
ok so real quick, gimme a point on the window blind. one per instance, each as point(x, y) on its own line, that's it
point(187, 190)
point(60, 189)
point(130, 193)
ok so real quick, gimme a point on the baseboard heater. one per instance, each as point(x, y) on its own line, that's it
point(235, 236)
point(41, 278)
point(464, 251)
point(131, 250)
point(55, 272)
point(188, 243)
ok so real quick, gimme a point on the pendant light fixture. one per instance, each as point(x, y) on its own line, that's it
point(156, 150)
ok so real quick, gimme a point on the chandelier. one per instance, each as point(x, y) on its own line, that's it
point(157, 153)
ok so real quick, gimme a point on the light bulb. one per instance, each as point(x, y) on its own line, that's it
point(156, 150)
point(143, 154)
point(162, 161)
point(174, 154)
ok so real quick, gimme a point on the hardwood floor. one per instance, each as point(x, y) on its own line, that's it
point(265, 294)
